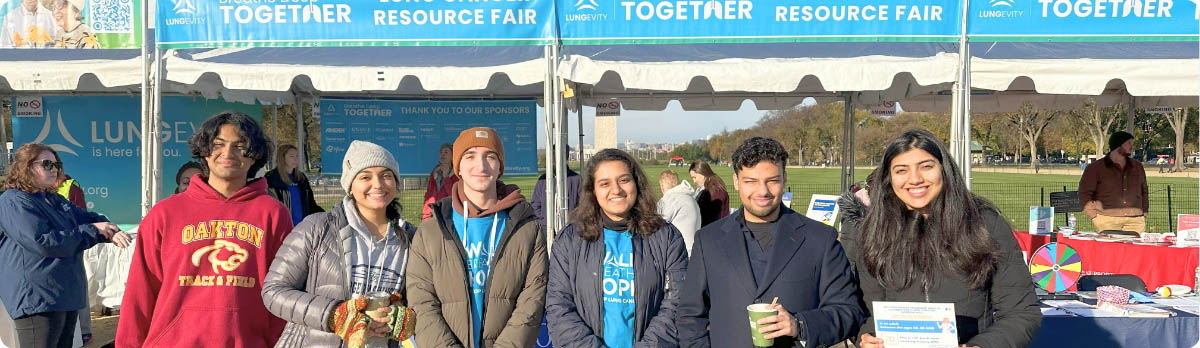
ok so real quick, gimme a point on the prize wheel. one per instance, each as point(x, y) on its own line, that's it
point(1055, 267)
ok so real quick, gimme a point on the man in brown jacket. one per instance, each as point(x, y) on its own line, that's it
point(477, 268)
point(1113, 190)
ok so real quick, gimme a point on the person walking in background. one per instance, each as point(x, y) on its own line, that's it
point(762, 252)
point(1114, 191)
point(574, 182)
point(360, 247)
point(710, 193)
point(41, 250)
point(441, 181)
point(290, 186)
point(183, 177)
point(678, 207)
point(483, 248)
point(201, 255)
point(617, 268)
point(926, 238)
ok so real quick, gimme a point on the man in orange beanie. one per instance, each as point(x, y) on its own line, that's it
point(489, 250)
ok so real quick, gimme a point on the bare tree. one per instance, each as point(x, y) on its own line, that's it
point(1030, 122)
point(1098, 121)
point(1178, 119)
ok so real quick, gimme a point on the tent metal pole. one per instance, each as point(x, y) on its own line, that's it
point(847, 111)
point(560, 154)
point(550, 53)
point(965, 129)
point(147, 201)
point(579, 114)
point(274, 131)
point(4, 137)
point(301, 159)
point(960, 122)
point(1129, 113)
point(155, 141)
point(850, 130)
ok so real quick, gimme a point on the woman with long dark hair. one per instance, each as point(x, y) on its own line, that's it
point(926, 238)
point(710, 193)
point(287, 183)
point(615, 271)
point(42, 239)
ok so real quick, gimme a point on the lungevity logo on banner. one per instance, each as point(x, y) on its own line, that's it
point(414, 131)
point(1076, 20)
point(683, 21)
point(82, 24)
point(104, 132)
point(308, 23)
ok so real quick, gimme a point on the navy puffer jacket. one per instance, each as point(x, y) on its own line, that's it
point(574, 310)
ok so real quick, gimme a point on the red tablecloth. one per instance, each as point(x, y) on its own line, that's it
point(1156, 265)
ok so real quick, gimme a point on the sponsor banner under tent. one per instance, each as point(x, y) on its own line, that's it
point(311, 23)
point(74, 24)
point(99, 140)
point(705, 21)
point(1083, 20)
point(415, 130)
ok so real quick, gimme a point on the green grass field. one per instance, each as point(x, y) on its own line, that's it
point(1013, 193)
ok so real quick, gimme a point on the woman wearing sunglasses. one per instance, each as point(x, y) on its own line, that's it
point(42, 239)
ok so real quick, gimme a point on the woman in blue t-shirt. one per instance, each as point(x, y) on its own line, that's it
point(615, 271)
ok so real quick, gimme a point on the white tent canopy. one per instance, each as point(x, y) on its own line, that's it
point(70, 71)
point(773, 75)
point(1061, 75)
point(245, 73)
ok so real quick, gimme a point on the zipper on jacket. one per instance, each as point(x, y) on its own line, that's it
point(600, 285)
point(487, 285)
point(640, 320)
point(462, 256)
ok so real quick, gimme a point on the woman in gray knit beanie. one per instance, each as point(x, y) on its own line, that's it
point(358, 248)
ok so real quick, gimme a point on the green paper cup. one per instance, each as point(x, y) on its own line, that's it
point(758, 311)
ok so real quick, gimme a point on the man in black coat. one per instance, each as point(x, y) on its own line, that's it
point(762, 252)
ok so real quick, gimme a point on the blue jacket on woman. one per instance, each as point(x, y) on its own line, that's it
point(42, 239)
point(574, 298)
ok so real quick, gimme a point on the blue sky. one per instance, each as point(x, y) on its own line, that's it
point(673, 125)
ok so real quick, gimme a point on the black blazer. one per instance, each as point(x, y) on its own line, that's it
point(807, 270)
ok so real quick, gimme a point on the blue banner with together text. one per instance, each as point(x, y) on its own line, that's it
point(1099, 19)
point(598, 21)
point(212, 23)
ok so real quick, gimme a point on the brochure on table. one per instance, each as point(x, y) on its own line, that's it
point(915, 324)
point(823, 208)
point(1189, 230)
point(1041, 220)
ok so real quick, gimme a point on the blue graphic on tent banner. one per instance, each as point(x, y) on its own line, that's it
point(1024, 20)
point(682, 21)
point(99, 140)
point(415, 130)
point(86, 24)
point(308, 23)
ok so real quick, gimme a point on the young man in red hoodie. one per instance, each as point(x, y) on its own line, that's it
point(201, 255)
